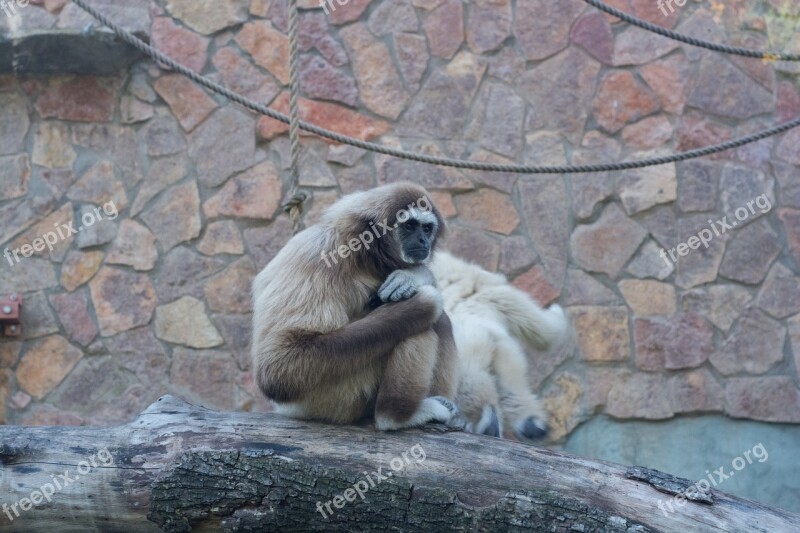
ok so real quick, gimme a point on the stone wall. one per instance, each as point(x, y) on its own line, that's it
point(156, 298)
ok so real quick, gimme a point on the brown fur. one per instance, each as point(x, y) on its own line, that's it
point(319, 351)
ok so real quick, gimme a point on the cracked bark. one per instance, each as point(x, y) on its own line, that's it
point(180, 467)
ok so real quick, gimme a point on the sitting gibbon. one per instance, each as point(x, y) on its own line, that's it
point(490, 320)
point(347, 321)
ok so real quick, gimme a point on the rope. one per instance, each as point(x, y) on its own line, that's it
point(148, 50)
point(700, 43)
point(294, 206)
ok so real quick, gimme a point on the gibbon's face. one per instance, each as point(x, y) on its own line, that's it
point(415, 236)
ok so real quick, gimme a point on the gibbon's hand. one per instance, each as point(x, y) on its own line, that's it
point(403, 284)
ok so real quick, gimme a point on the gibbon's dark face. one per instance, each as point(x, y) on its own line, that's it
point(415, 235)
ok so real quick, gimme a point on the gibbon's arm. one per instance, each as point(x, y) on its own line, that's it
point(303, 359)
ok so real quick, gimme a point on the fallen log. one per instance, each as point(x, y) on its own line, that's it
point(180, 467)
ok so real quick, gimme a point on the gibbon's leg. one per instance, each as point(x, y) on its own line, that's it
point(478, 399)
point(520, 406)
point(445, 371)
point(404, 394)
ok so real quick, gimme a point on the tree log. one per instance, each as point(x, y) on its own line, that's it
point(179, 467)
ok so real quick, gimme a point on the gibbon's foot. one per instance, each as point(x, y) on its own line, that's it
point(530, 429)
point(456, 421)
point(489, 424)
point(434, 409)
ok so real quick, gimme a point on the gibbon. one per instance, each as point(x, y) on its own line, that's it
point(347, 319)
point(490, 318)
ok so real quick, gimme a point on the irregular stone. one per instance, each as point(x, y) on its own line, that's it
point(51, 146)
point(263, 244)
point(643, 188)
point(740, 187)
point(669, 80)
point(722, 89)
point(47, 415)
point(221, 237)
point(73, 311)
point(697, 263)
point(316, 172)
point(640, 395)
point(507, 64)
point(209, 16)
point(326, 115)
point(474, 246)
point(135, 246)
point(696, 391)
point(621, 99)
point(647, 298)
point(650, 263)
point(207, 376)
point(754, 345)
point(679, 341)
point(772, 399)
point(14, 123)
point(116, 142)
point(444, 27)
point(229, 291)
point(181, 44)
point(750, 253)
point(788, 101)
point(49, 237)
point(545, 199)
point(268, 47)
point(534, 283)
point(488, 210)
point(320, 80)
point(607, 244)
point(175, 216)
point(583, 289)
point(515, 251)
point(91, 381)
point(222, 146)
point(790, 218)
point(185, 322)
point(81, 99)
point(79, 267)
point(650, 132)
point(162, 174)
point(634, 46)
point(697, 189)
point(46, 364)
point(602, 332)
point(183, 272)
point(592, 32)
point(162, 136)
point(502, 181)
point(99, 186)
point(255, 193)
point(497, 120)
point(58, 180)
point(556, 84)
point(721, 304)
point(393, 170)
point(488, 25)
point(696, 131)
point(449, 91)
point(314, 32)
point(561, 403)
point(96, 233)
point(794, 337)
point(141, 353)
point(380, 88)
point(320, 203)
point(37, 318)
point(359, 178)
point(780, 292)
point(35, 275)
point(344, 154)
point(237, 332)
point(241, 76)
point(9, 353)
point(412, 58)
point(655, 14)
point(190, 104)
point(393, 16)
point(789, 147)
point(348, 12)
point(122, 300)
point(589, 190)
point(132, 111)
point(542, 27)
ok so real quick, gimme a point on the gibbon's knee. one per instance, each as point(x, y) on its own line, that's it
point(445, 373)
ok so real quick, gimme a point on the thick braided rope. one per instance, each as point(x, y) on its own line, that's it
point(294, 205)
point(148, 50)
point(700, 43)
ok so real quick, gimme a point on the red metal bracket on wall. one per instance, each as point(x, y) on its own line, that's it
point(10, 310)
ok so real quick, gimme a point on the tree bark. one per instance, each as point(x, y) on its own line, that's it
point(179, 467)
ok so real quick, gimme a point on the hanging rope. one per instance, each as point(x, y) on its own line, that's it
point(148, 50)
point(700, 43)
point(294, 205)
